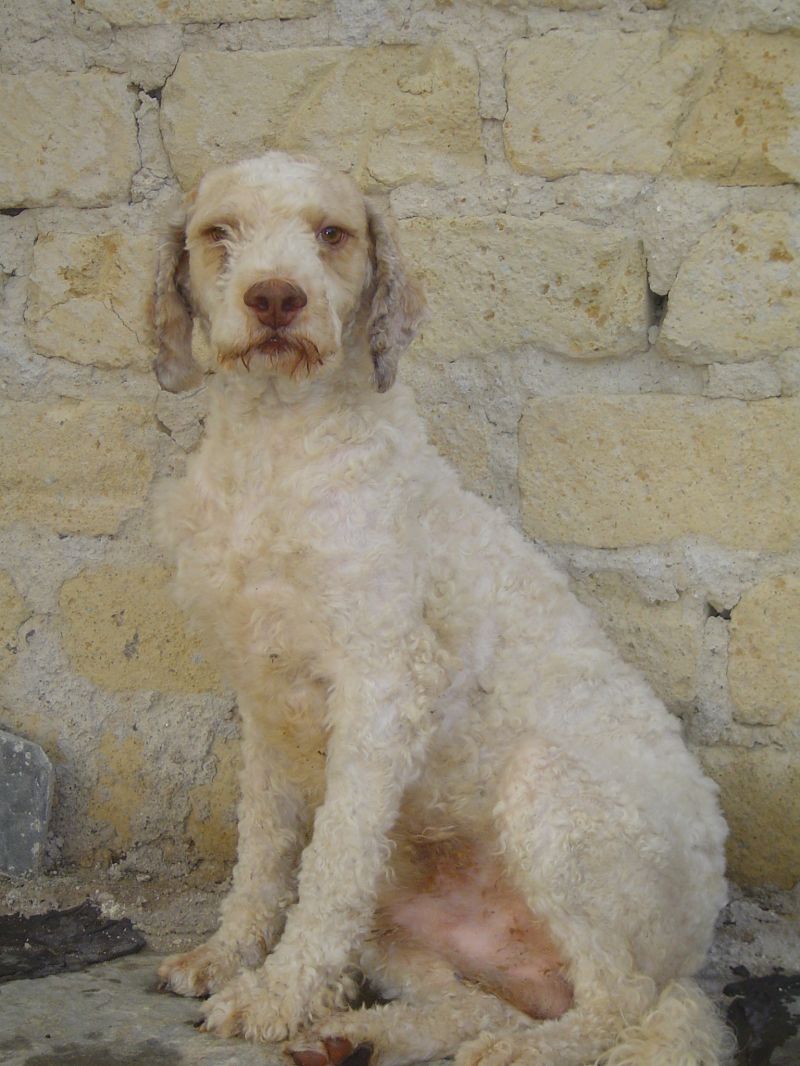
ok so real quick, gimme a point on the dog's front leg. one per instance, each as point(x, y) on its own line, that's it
point(379, 729)
point(273, 820)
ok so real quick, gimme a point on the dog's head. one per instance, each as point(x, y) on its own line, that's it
point(282, 260)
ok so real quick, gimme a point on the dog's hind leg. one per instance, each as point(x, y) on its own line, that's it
point(615, 896)
point(432, 1011)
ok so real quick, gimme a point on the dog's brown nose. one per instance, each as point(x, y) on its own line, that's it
point(275, 302)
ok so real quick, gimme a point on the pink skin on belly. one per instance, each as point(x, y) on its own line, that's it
point(450, 902)
point(477, 923)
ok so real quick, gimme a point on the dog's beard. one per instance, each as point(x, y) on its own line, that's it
point(288, 354)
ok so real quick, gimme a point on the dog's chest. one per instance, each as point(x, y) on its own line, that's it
point(262, 539)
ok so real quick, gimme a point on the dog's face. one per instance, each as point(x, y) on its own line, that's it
point(278, 261)
point(281, 259)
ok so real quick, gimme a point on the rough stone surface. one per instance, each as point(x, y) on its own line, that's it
point(121, 801)
point(147, 13)
point(737, 294)
point(745, 381)
point(760, 793)
point(549, 283)
point(386, 115)
point(102, 472)
point(771, 16)
point(613, 472)
point(90, 298)
point(211, 824)
point(743, 129)
point(122, 630)
point(26, 792)
point(603, 101)
point(663, 639)
point(695, 105)
point(66, 139)
point(123, 1021)
point(460, 432)
point(13, 613)
point(763, 666)
point(788, 366)
point(572, 5)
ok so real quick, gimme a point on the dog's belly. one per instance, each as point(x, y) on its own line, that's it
point(452, 900)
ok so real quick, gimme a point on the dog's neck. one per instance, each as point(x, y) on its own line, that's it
point(343, 385)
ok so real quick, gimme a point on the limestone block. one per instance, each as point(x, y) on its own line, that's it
point(505, 282)
point(670, 217)
point(66, 139)
point(619, 471)
point(602, 101)
point(722, 108)
point(211, 824)
point(17, 236)
point(183, 416)
point(789, 369)
point(737, 294)
point(26, 793)
point(760, 793)
point(763, 665)
point(663, 639)
point(572, 5)
point(771, 16)
point(122, 630)
point(743, 129)
point(388, 115)
point(73, 466)
point(147, 13)
point(120, 796)
point(744, 381)
point(90, 298)
point(460, 432)
point(13, 613)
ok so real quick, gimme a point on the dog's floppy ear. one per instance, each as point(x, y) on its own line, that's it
point(398, 305)
point(175, 368)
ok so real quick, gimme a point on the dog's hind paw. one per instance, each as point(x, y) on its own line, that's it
point(332, 1051)
point(490, 1050)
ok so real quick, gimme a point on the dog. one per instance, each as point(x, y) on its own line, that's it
point(452, 787)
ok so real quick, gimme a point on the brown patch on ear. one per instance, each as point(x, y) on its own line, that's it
point(175, 367)
point(398, 305)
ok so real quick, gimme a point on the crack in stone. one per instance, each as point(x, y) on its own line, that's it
point(110, 306)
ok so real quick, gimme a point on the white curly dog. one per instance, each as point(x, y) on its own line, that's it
point(452, 784)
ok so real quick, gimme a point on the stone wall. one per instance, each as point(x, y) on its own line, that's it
point(601, 198)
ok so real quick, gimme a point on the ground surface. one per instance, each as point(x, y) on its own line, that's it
point(112, 1015)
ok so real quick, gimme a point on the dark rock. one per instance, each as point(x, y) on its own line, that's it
point(26, 792)
point(60, 941)
point(765, 1016)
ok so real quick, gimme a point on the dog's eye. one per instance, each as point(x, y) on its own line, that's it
point(216, 234)
point(331, 235)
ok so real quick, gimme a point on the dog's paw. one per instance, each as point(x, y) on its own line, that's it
point(257, 1006)
point(491, 1050)
point(200, 972)
point(272, 1004)
point(331, 1051)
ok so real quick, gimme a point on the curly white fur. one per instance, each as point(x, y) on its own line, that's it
point(411, 675)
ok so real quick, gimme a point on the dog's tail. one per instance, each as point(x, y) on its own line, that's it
point(682, 1028)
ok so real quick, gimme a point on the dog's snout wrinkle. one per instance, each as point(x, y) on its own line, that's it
point(275, 302)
